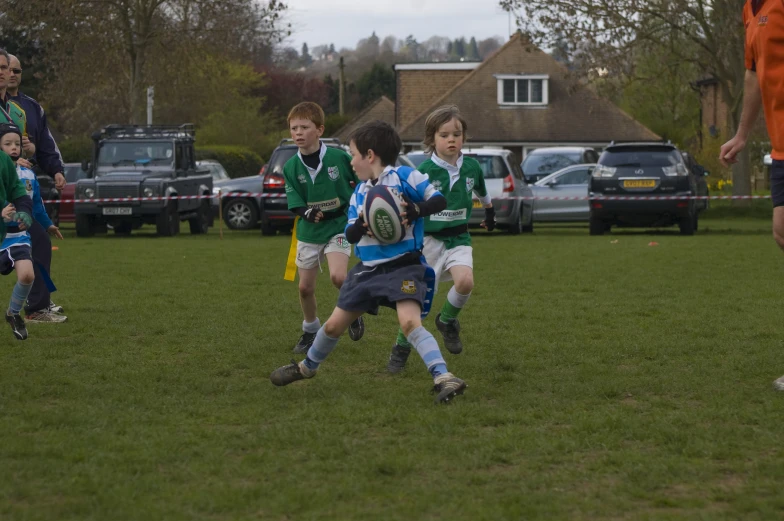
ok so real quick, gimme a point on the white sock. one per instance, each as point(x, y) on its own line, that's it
point(458, 300)
point(311, 327)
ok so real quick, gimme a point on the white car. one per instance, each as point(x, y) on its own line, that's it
point(569, 182)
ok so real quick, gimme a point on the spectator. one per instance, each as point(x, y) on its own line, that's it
point(47, 155)
point(39, 306)
point(10, 111)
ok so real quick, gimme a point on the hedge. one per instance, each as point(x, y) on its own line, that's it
point(76, 150)
point(238, 161)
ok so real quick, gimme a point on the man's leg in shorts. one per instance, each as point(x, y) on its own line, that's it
point(326, 340)
point(460, 266)
point(778, 225)
point(338, 252)
point(435, 256)
point(24, 282)
point(25, 276)
point(446, 384)
point(338, 266)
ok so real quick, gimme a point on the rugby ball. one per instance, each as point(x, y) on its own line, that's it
point(383, 206)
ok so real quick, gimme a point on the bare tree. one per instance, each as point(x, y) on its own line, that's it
point(604, 35)
point(126, 32)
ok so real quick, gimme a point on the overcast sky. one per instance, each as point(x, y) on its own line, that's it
point(345, 22)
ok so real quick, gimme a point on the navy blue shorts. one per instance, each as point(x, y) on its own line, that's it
point(777, 182)
point(368, 287)
point(9, 257)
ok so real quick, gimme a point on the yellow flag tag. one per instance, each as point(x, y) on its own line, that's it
point(291, 263)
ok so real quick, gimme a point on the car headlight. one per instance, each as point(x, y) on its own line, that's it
point(148, 192)
point(215, 190)
point(603, 171)
point(89, 193)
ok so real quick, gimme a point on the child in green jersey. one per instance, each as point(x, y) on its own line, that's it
point(319, 183)
point(447, 245)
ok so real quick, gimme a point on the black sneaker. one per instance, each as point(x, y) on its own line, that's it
point(447, 386)
point(356, 329)
point(304, 343)
point(290, 373)
point(398, 358)
point(17, 325)
point(450, 330)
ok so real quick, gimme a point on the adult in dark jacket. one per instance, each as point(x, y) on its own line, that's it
point(39, 307)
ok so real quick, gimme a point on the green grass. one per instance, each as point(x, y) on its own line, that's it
point(608, 379)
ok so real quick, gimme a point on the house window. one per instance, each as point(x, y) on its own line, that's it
point(522, 89)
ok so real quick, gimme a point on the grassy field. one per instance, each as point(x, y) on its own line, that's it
point(608, 379)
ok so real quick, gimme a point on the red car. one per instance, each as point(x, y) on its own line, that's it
point(73, 172)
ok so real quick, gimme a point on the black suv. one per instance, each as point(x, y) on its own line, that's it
point(134, 162)
point(628, 171)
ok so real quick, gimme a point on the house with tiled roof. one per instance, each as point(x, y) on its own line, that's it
point(383, 108)
point(519, 98)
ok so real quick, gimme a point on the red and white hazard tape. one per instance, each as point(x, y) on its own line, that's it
point(282, 196)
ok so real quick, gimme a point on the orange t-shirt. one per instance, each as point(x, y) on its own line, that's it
point(765, 54)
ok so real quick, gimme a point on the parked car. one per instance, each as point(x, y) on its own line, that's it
point(73, 172)
point(239, 212)
point(572, 182)
point(130, 162)
point(417, 157)
point(215, 168)
point(643, 169)
point(50, 193)
point(511, 195)
point(542, 162)
point(700, 175)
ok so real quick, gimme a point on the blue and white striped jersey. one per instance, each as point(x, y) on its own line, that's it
point(406, 180)
point(15, 236)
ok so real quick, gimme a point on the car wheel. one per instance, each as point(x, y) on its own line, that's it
point(688, 224)
point(595, 225)
point(240, 214)
point(201, 223)
point(85, 225)
point(529, 228)
point(267, 229)
point(167, 223)
point(516, 227)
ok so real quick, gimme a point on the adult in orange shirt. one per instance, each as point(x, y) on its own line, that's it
point(764, 87)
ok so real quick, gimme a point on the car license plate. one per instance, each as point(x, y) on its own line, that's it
point(639, 183)
point(477, 203)
point(117, 211)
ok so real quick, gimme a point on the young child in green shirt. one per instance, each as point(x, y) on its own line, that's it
point(319, 183)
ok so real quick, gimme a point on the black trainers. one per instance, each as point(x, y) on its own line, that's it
point(304, 343)
point(17, 325)
point(290, 373)
point(447, 386)
point(356, 329)
point(450, 330)
point(398, 358)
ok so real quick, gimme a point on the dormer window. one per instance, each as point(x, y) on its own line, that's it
point(523, 89)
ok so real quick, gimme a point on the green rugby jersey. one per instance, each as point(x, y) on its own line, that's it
point(329, 188)
point(458, 190)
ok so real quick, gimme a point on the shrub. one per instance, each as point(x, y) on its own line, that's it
point(76, 150)
point(238, 161)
